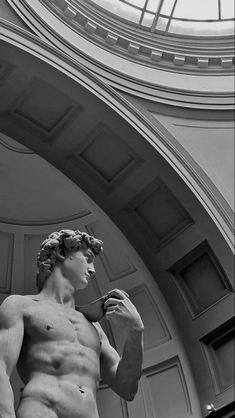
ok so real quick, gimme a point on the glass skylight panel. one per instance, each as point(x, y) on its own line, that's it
point(121, 9)
point(138, 3)
point(227, 9)
point(147, 19)
point(162, 23)
point(189, 17)
point(200, 28)
point(199, 9)
point(153, 5)
point(167, 7)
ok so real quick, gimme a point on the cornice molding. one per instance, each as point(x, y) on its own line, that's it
point(52, 221)
point(179, 54)
point(177, 157)
point(12, 146)
point(147, 76)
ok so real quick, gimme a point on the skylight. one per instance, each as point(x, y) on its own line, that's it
point(183, 17)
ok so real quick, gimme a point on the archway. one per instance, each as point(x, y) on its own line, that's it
point(63, 119)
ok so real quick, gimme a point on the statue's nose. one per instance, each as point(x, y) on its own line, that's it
point(91, 272)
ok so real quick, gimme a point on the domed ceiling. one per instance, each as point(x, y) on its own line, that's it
point(156, 47)
point(187, 17)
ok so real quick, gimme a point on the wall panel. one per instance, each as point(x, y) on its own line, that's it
point(166, 391)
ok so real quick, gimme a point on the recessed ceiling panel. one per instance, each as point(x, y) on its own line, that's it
point(44, 107)
point(219, 347)
point(200, 278)
point(105, 157)
point(158, 214)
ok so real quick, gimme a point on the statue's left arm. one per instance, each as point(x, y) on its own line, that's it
point(123, 374)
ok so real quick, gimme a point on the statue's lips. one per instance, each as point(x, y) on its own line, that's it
point(94, 311)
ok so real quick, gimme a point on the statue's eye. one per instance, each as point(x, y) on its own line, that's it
point(89, 256)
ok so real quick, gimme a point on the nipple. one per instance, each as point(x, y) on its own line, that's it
point(81, 390)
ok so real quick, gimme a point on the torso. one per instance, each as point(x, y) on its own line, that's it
point(59, 362)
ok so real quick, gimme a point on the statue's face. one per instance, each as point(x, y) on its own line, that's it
point(79, 268)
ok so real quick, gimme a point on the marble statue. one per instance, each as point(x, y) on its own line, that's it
point(60, 349)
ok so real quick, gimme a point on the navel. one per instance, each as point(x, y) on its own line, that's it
point(48, 327)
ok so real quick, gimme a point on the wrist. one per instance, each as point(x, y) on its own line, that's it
point(136, 330)
point(138, 326)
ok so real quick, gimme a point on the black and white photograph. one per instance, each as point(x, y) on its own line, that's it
point(117, 209)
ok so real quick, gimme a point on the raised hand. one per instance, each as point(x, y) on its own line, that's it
point(121, 311)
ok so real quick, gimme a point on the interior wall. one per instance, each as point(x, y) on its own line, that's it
point(211, 145)
point(165, 360)
point(186, 255)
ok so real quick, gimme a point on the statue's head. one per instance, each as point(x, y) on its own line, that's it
point(60, 245)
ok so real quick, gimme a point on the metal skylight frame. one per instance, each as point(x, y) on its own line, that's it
point(145, 17)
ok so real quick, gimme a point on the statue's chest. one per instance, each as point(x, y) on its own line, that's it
point(44, 322)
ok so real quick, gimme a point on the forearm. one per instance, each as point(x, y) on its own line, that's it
point(129, 369)
point(6, 397)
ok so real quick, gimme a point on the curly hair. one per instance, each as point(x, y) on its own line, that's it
point(58, 246)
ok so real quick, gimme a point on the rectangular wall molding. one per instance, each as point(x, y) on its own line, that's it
point(165, 390)
point(31, 248)
point(156, 331)
point(110, 405)
point(114, 260)
point(6, 248)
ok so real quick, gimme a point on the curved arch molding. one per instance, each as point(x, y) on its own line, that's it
point(144, 168)
point(159, 138)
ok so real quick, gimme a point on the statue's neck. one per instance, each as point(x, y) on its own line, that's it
point(58, 290)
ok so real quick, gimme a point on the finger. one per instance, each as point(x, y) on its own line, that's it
point(110, 314)
point(111, 309)
point(118, 293)
point(111, 302)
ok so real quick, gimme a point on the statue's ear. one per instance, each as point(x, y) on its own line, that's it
point(60, 255)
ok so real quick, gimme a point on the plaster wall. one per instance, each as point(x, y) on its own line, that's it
point(211, 145)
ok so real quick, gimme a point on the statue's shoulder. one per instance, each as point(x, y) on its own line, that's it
point(14, 304)
point(13, 300)
point(11, 311)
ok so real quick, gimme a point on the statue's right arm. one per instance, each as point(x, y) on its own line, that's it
point(11, 338)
